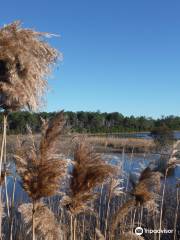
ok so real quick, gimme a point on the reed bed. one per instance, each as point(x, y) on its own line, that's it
point(85, 197)
point(139, 145)
point(68, 191)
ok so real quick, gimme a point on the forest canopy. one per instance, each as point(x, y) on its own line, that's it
point(90, 122)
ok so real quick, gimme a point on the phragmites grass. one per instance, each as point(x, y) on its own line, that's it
point(121, 213)
point(39, 167)
point(144, 193)
point(149, 183)
point(89, 171)
point(25, 61)
point(46, 225)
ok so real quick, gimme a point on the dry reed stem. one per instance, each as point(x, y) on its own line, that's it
point(1, 216)
point(176, 211)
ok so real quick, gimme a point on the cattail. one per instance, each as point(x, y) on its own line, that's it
point(25, 61)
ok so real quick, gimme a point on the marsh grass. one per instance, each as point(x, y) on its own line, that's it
point(138, 145)
point(80, 195)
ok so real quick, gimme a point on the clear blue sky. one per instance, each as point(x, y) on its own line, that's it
point(119, 55)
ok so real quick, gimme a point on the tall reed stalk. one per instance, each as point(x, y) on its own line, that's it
point(3, 144)
point(176, 212)
point(12, 209)
point(3, 155)
point(162, 203)
point(33, 221)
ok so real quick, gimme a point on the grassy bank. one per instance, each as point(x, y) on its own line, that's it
point(118, 144)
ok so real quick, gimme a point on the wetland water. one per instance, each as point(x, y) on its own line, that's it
point(143, 135)
point(129, 164)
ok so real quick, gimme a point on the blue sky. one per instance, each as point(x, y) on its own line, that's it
point(119, 55)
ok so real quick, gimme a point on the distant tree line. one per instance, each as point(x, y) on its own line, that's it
point(90, 122)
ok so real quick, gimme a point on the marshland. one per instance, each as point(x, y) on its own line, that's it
point(92, 174)
point(89, 187)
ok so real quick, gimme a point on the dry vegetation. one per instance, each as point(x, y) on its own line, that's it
point(67, 191)
point(80, 196)
point(117, 144)
point(25, 61)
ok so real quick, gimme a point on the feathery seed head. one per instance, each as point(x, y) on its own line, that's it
point(25, 61)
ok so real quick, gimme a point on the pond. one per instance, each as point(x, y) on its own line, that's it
point(129, 164)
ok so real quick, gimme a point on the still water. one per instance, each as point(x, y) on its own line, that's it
point(128, 164)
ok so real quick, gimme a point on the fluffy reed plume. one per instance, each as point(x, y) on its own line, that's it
point(39, 169)
point(114, 190)
point(171, 163)
point(45, 225)
point(25, 61)
point(149, 182)
point(121, 213)
point(89, 171)
point(130, 236)
point(143, 193)
point(174, 159)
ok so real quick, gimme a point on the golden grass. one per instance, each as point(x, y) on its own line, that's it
point(39, 167)
point(89, 171)
point(122, 142)
point(25, 61)
point(46, 225)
